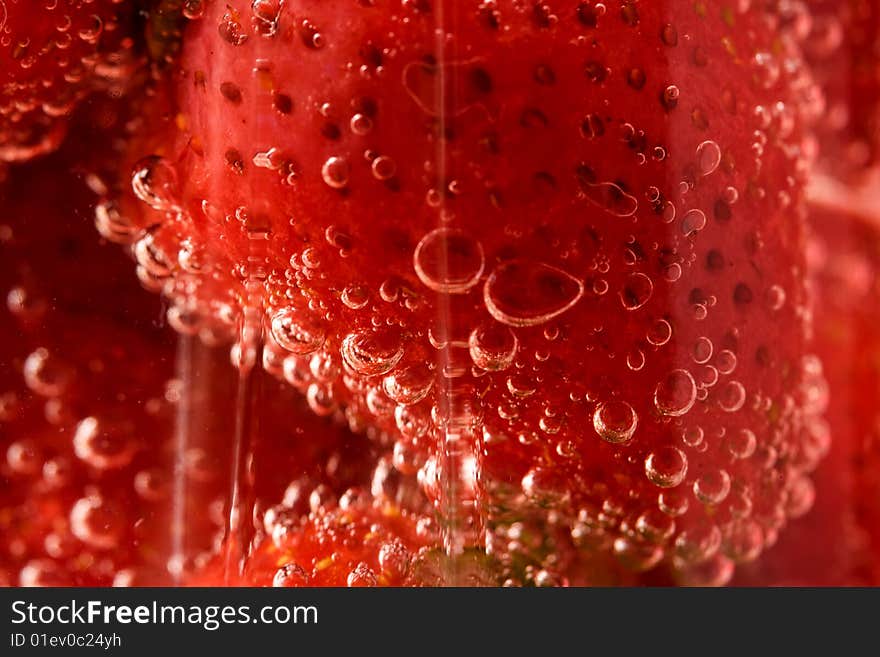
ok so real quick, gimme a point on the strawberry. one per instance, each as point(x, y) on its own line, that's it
point(355, 544)
point(837, 543)
point(88, 494)
point(841, 40)
point(554, 249)
point(83, 476)
point(51, 56)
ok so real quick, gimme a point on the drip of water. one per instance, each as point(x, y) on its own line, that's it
point(185, 375)
point(450, 524)
point(246, 354)
point(240, 526)
point(457, 450)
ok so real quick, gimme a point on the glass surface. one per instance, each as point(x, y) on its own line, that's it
point(426, 292)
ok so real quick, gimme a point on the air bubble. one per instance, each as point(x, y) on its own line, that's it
point(698, 543)
point(355, 297)
point(97, 522)
point(394, 559)
point(708, 377)
point(231, 31)
point(154, 181)
point(673, 272)
point(92, 30)
point(184, 320)
point(766, 69)
point(544, 487)
point(673, 503)
point(801, 494)
point(725, 361)
point(112, 224)
point(193, 9)
point(635, 360)
point(152, 485)
point(321, 399)
point(715, 571)
point(775, 297)
point(655, 526)
point(290, 575)
point(525, 293)
point(57, 472)
point(702, 350)
point(370, 353)
point(692, 436)
point(266, 15)
point(43, 573)
point(411, 421)
point(669, 97)
point(666, 467)
point(676, 393)
point(636, 291)
point(150, 257)
point(732, 396)
point(615, 421)
point(741, 444)
point(23, 304)
point(324, 366)
point(361, 124)
point(659, 333)
point(23, 457)
point(103, 445)
point(637, 556)
point(45, 374)
point(383, 168)
point(448, 260)
point(693, 222)
point(743, 541)
point(712, 487)
point(297, 332)
point(492, 346)
point(611, 198)
point(409, 385)
point(335, 172)
point(708, 157)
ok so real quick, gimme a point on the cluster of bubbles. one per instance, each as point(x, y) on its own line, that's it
point(310, 518)
point(49, 74)
point(87, 480)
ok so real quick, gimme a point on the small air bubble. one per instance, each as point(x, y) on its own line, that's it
point(666, 467)
point(708, 157)
point(335, 172)
point(676, 393)
point(448, 260)
point(615, 421)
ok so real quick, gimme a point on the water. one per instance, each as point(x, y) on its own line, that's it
point(470, 294)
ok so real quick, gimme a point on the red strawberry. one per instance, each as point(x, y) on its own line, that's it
point(843, 216)
point(89, 451)
point(555, 249)
point(838, 543)
point(83, 472)
point(52, 54)
point(572, 282)
point(841, 40)
point(359, 543)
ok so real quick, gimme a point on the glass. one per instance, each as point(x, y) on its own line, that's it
point(440, 293)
